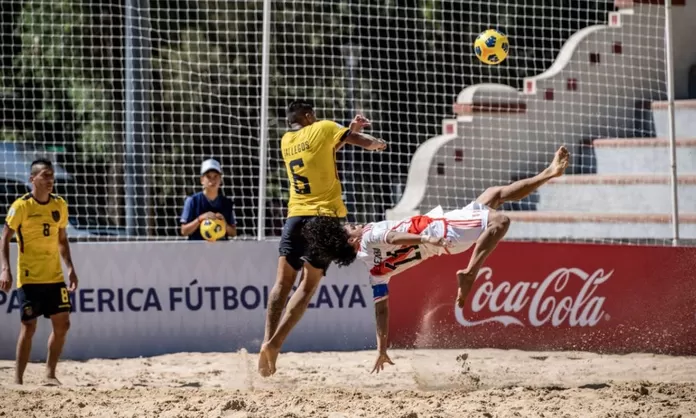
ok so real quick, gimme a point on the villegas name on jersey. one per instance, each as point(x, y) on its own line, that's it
point(295, 149)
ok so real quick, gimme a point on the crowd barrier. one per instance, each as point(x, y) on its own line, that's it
point(144, 299)
point(544, 296)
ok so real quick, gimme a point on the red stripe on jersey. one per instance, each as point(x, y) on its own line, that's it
point(474, 223)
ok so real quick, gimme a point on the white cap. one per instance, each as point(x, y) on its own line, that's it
point(210, 164)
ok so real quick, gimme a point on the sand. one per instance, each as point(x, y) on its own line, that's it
point(423, 383)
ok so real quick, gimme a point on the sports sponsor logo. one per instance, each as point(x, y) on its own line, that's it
point(566, 297)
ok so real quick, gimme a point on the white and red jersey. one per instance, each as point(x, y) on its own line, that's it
point(462, 227)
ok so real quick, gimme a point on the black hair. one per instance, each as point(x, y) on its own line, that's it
point(328, 240)
point(297, 109)
point(39, 164)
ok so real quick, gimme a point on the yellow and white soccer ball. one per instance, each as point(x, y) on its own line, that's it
point(212, 229)
point(491, 47)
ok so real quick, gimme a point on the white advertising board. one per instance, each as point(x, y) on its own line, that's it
point(144, 298)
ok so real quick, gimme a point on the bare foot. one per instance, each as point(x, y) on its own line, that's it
point(267, 360)
point(465, 281)
point(18, 380)
point(560, 162)
point(51, 381)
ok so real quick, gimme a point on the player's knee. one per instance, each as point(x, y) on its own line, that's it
point(61, 327)
point(491, 197)
point(499, 222)
point(28, 329)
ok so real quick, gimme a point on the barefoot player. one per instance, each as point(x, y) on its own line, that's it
point(309, 151)
point(391, 247)
point(39, 220)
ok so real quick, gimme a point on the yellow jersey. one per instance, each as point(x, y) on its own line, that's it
point(310, 161)
point(36, 225)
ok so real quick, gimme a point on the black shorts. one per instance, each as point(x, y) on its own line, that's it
point(43, 299)
point(294, 247)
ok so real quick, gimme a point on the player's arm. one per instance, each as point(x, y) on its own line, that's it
point(64, 246)
point(355, 136)
point(64, 249)
point(341, 136)
point(6, 276)
point(230, 220)
point(381, 298)
point(15, 217)
point(189, 224)
point(404, 238)
point(366, 141)
point(382, 323)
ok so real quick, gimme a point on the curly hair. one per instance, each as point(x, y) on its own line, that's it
point(328, 240)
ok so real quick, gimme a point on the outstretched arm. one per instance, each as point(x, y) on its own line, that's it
point(366, 141)
point(382, 322)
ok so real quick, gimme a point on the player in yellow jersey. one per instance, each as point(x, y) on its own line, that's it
point(309, 151)
point(39, 220)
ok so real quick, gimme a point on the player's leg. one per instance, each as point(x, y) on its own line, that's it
point(56, 341)
point(496, 228)
point(295, 310)
point(55, 301)
point(498, 223)
point(493, 197)
point(29, 311)
point(285, 279)
point(26, 334)
point(276, 302)
point(290, 250)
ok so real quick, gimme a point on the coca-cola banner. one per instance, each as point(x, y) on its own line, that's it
point(540, 296)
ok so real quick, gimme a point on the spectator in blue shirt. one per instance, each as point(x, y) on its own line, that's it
point(208, 204)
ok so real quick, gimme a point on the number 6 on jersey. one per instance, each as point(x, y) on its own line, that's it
point(301, 183)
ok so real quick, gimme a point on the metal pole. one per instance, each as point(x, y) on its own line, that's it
point(137, 64)
point(349, 153)
point(669, 62)
point(263, 123)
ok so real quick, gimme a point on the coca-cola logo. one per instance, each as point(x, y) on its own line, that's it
point(550, 301)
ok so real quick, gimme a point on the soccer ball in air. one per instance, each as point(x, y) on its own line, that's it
point(491, 47)
point(212, 229)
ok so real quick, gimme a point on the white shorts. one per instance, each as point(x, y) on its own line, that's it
point(462, 226)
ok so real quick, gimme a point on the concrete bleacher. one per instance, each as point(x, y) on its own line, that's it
point(608, 81)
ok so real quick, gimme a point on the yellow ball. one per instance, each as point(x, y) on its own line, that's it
point(212, 229)
point(491, 47)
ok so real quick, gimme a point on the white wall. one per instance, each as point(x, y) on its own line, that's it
point(499, 148)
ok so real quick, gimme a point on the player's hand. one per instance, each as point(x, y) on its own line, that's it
point(358, 123)
point(219, 216)
point(208, 215)
point(6, 281)
point(72, 278)
point(382, 358)
point(438, 241)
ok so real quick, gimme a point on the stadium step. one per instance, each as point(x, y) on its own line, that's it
point(684, 118)
point(626, 193)
point(643, 156)
point(563, 225)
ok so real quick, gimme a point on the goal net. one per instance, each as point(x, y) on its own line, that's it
point(129, 100)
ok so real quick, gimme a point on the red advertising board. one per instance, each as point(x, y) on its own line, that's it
point(544, 296)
